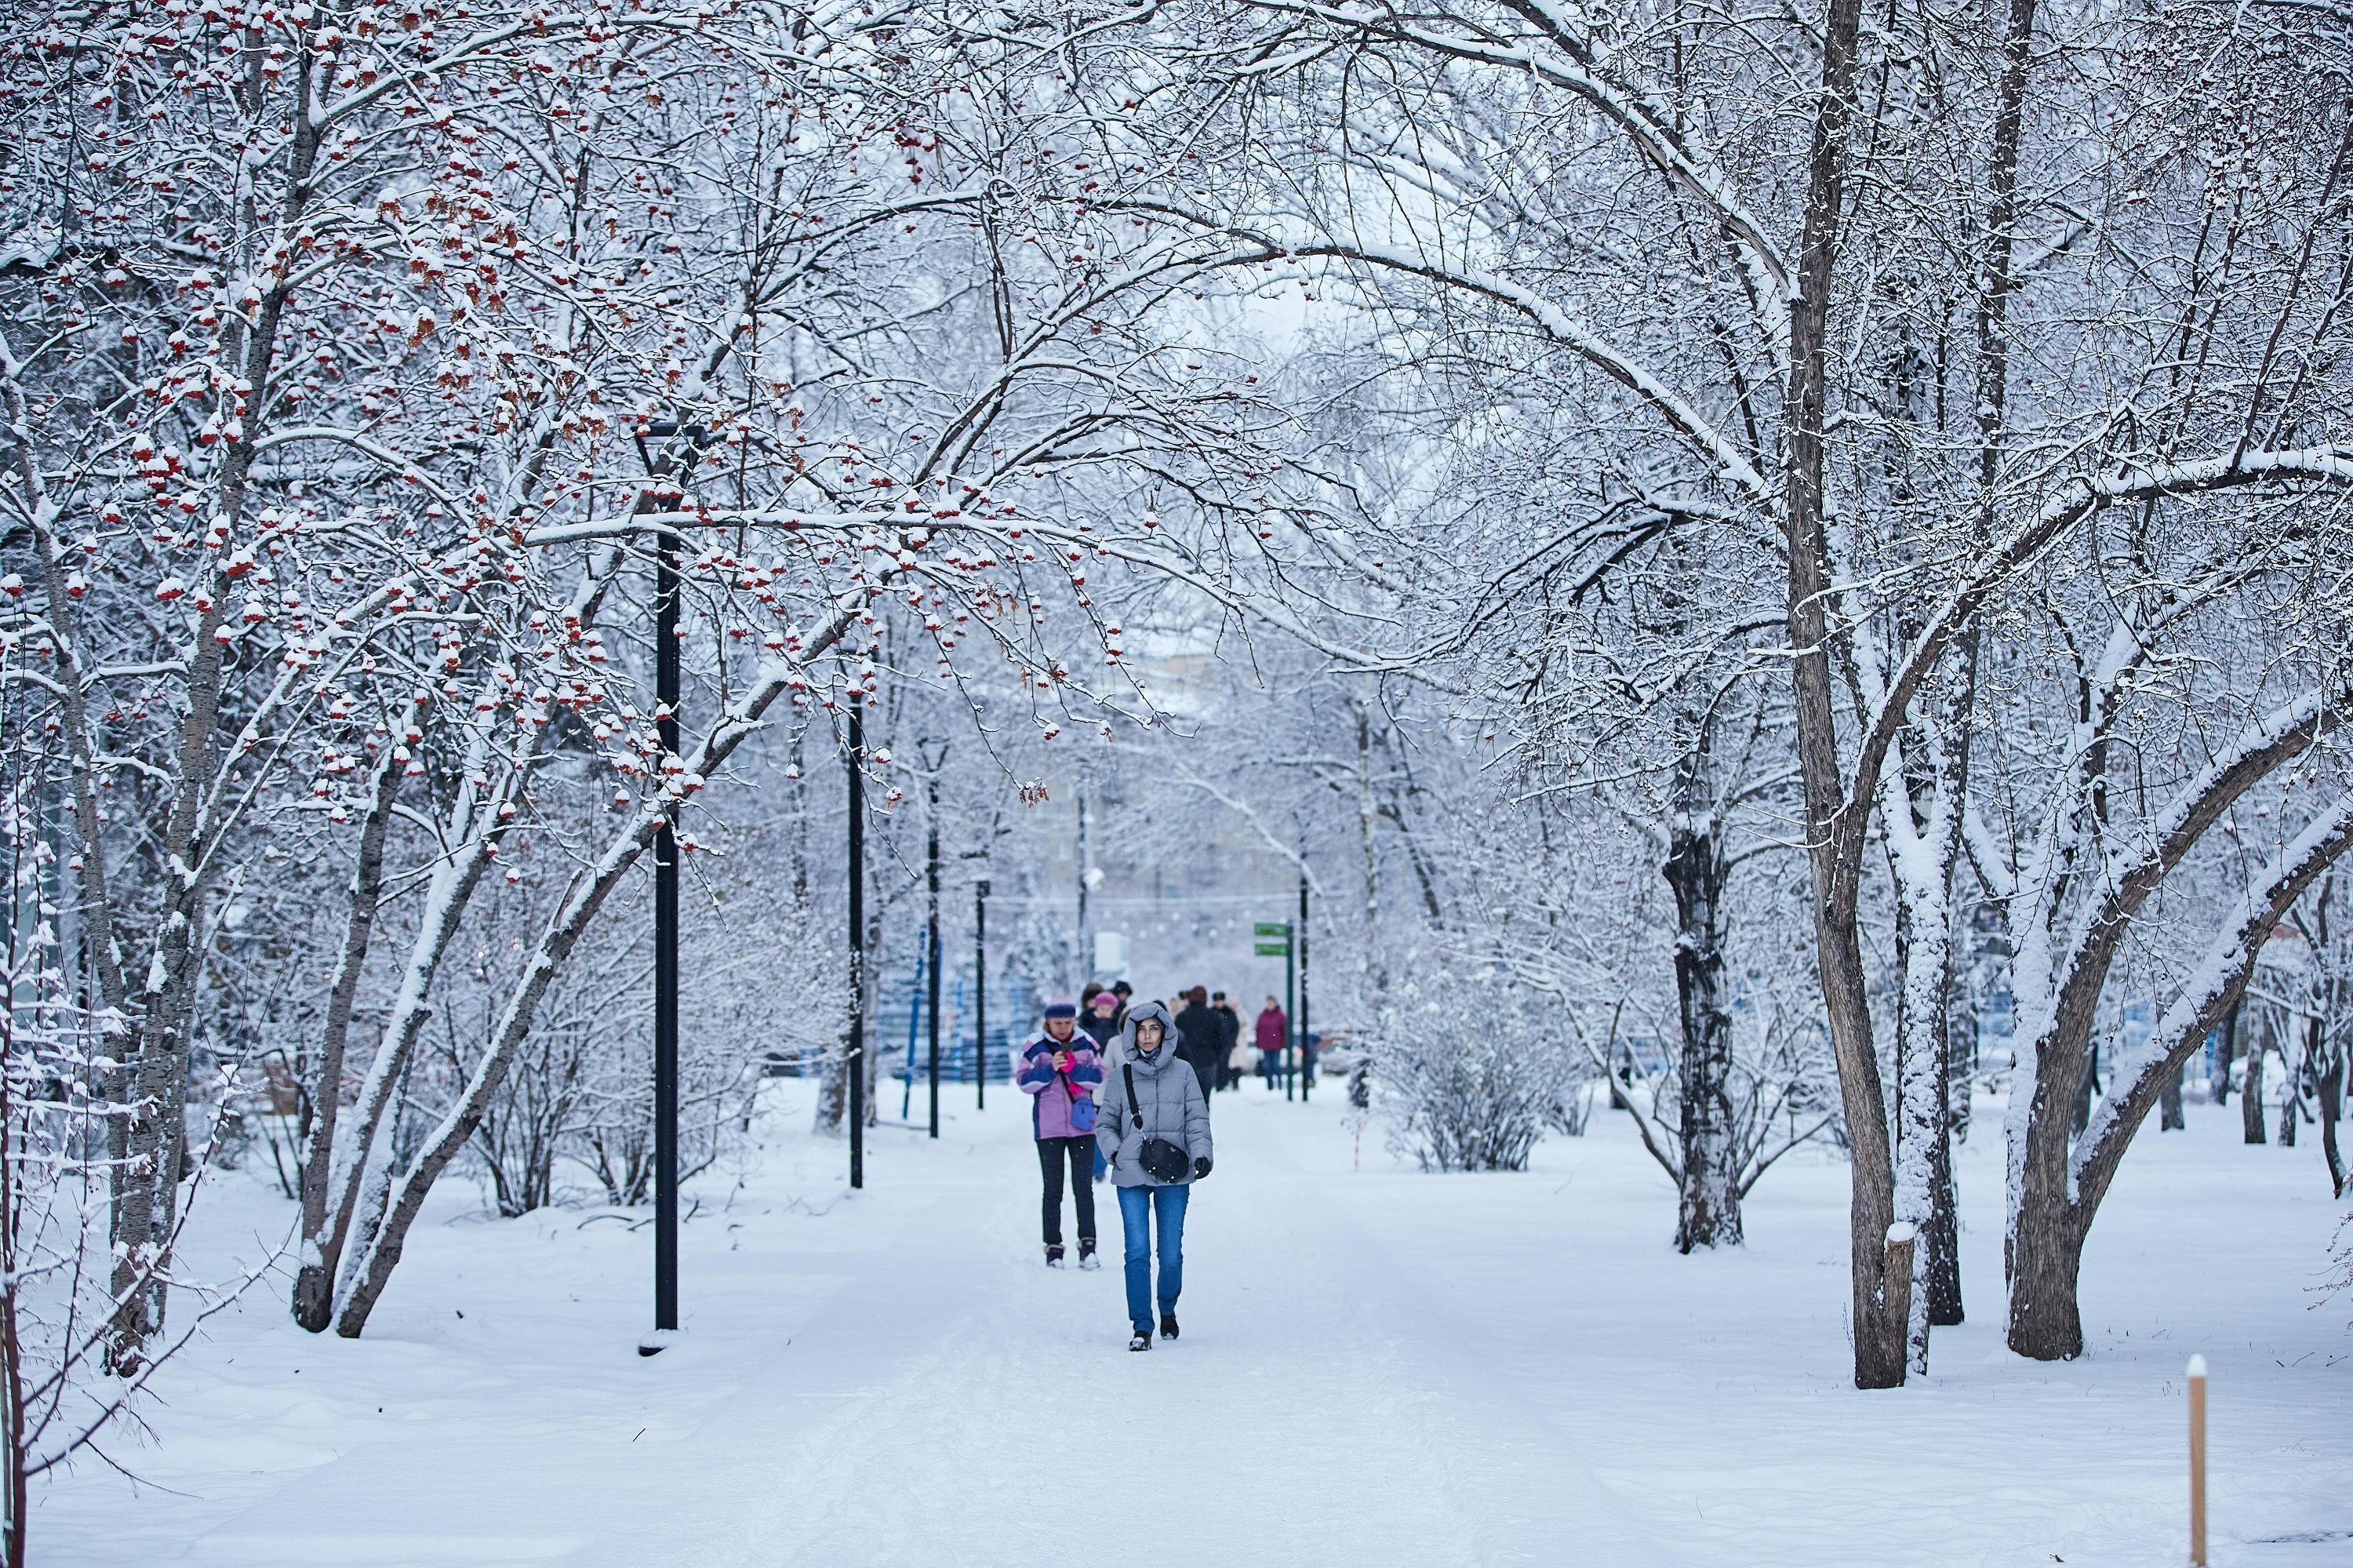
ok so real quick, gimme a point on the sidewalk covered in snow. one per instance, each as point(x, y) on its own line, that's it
point(1379, 1368)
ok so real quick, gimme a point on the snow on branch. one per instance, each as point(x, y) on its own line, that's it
point(2081, 497)
point(2207, 995)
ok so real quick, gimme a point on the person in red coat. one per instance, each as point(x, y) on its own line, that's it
point(1273, 1032)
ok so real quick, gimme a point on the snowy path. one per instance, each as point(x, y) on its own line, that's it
point(948, 1399)
point(1379, 1368)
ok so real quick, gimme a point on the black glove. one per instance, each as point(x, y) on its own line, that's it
point(1200, 1168)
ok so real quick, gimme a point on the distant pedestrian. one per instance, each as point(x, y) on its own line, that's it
point(1101, 1021)
point(1060, 1072)
point(1126, 994)
point(1201, 1036)
point(1155, 1132)
point(1230, 1069)
point(1273, 1032)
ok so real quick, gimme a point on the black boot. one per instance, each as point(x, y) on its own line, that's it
point(1139, 1341)
point(1169, 1324)
point(1087, 1252)
point(1053, 1255)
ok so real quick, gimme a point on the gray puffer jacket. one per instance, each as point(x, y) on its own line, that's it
point(1167, 1094)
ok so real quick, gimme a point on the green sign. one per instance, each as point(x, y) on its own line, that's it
point(1273, 950)
point(1271, 928)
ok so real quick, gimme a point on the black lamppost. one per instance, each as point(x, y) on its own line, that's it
point(980, 991)
point(1086, 957)
point(666, 702)
point(856, 1053)
point(1306, 1053)
point(935, 754)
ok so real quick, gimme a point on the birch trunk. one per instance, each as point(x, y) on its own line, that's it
point(1698, 869)
point(1921, 852)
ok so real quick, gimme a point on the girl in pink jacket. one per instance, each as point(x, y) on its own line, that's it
point(1059, 1072)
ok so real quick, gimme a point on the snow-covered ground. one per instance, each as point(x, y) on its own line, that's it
point(1378, 1367)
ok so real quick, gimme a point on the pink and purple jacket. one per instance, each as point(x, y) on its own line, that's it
point(1052, 1093)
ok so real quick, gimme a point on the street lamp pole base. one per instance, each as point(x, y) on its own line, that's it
point(658, 1341)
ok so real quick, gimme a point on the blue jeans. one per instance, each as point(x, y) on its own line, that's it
point(1135, 1205)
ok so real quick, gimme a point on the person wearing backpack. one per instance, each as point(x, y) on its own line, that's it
point(1153, 1126)
point(1060, 1072)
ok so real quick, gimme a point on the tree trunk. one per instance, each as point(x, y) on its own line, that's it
point(1834, 838)
point(2251, 1106)
point(314, 1276)
point(2046, 1257)
point(1708, 1214)
point(1922, 925)
point(1368, 842)
point(832, 1094)
point(2292, 1080)
point(2328, 1089)
point(2169, 1103)
point(2058, 1187)
point(1942, 1274)
point(381, 1241)
point(146, 1178)
point(2226, 1046)
point(2042, 1245)
point(361, 1164)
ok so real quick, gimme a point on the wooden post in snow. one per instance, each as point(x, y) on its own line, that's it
point(1895, 1283)
point(2198, 1461)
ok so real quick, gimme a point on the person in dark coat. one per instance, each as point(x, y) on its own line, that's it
point(1230, 1076)
point(1203, 1038)
point(1101, 1022)
point(1100, 1019)
point(1126, 994)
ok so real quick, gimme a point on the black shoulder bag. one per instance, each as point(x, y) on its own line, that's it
point(1162, 1160)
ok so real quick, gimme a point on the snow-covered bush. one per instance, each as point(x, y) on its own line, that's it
point(62, 1104)
point(1468, 1078)
point(740, 1005)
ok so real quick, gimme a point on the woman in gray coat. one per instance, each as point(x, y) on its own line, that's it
point(1149, 1102)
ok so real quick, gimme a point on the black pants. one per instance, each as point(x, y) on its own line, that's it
point(1079, 1154)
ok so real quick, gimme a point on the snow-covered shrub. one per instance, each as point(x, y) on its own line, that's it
point(67, 1376)
point(1572, 1110)
point(2336, 1283)
point(729, 1020)
point(1468, 1075)
point(573, 1118)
